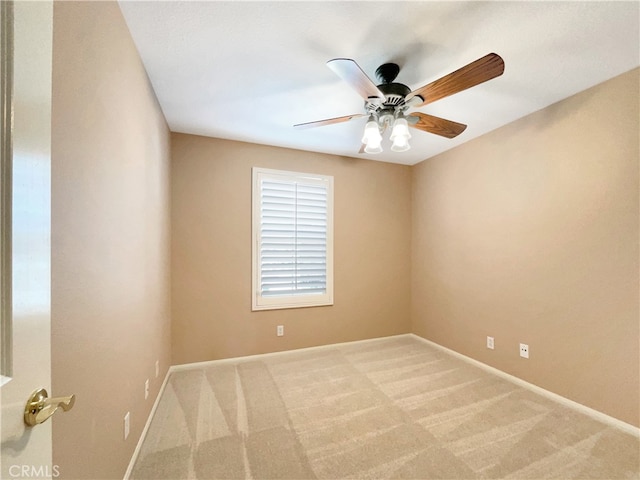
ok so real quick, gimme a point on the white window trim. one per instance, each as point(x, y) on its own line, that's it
point(290, 301)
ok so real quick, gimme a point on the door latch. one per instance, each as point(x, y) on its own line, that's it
point(40, 407)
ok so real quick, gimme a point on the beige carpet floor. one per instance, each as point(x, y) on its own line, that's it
point(393, 408)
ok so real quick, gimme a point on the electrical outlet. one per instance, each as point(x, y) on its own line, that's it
point(126, 425)
point(524, 350)
point(280, 330)
point(157, 368)
point(146, 389)
point(490, 342)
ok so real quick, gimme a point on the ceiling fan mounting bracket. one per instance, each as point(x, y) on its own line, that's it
point(387, 73)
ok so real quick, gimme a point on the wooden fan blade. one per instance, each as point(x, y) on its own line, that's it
point(349, 71)
point(329, 121)
point(437, 125)
point(483, 69)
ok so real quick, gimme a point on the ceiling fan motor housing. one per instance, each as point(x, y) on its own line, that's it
point(395, 94)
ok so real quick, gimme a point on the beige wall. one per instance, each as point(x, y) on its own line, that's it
point(530, 234)
point(110, 245)
point(211, 251)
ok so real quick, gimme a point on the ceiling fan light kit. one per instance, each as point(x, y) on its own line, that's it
point(400, 135)
point(388, 102)
point(372, 139)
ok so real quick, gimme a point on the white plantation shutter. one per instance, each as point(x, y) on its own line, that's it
point(293, 233)
point(293, 239)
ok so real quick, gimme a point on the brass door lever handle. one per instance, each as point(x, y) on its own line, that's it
point(40, 407)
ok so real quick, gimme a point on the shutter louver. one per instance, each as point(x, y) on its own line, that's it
point(293, 238)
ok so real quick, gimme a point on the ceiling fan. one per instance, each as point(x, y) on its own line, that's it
point(387, 104)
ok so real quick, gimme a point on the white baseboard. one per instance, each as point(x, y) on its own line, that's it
point(190, 366)
point(595, 414)
point(143, 435)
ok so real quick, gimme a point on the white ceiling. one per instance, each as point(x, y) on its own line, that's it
point(249, 71)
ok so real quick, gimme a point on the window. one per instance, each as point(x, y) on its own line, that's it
point(292, 239)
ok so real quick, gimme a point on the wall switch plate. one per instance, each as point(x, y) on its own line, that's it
point(157, 368)
point(490, 342)
point(146, 389)
point(126, 425)
point(524, 350)
point(280, 330)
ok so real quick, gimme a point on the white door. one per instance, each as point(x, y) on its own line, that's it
point(26, 451)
